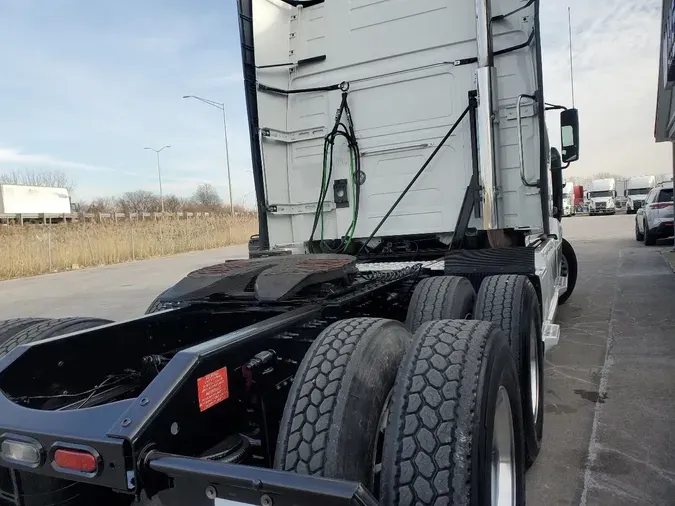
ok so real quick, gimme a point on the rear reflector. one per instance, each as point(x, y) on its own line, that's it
point(20, 452)
point(74, 460)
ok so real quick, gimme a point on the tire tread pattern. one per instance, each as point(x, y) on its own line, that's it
point(49, 328)
point(15, 325)
point(430, 302)
point(495, 303)
point(436, 397)
point(311, 413)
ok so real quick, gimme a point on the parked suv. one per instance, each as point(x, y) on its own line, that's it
point(654, 220)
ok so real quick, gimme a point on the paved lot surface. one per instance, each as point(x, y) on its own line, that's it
point(610, 413)
point(117, 292)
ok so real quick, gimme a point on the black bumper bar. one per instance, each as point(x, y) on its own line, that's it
point(198, 481)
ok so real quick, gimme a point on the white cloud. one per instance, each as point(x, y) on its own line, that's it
point(616, 56)
point(16, 158)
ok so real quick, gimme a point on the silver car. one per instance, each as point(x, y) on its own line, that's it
point(654, 220)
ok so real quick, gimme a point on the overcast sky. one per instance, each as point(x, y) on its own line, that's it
point(87, 85)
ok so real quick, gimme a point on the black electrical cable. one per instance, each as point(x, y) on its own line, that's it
point(414, 179)
point(272, 89)
point(300, 3)
point(347, 131)
point(500, 17)
point(468, 61)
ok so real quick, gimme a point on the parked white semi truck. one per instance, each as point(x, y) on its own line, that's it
point(387, 344)
point(637, 190)
point(602, 197)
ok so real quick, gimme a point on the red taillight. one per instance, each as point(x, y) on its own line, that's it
point(660, 205)
point(75, 460)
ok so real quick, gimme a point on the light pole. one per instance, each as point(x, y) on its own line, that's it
point(221, 106)
point(159, 173)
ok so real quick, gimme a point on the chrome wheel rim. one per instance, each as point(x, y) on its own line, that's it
point(534, 370)
point(503, 469)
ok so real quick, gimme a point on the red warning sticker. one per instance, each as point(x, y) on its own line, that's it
point(212, 389)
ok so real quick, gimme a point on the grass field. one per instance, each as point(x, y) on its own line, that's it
point(37, 249)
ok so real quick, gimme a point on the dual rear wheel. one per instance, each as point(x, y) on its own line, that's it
point(451, 414)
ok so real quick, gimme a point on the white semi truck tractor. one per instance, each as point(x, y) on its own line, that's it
point(602, 197)
point(637, 189)
point(385, 342)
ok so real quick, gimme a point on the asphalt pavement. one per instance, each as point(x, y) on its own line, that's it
point(117, 292)
point(609, 428)
point(609, 409)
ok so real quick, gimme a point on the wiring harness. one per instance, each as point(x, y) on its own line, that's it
point(346, 130)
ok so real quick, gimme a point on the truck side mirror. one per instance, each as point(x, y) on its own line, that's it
point(569, 130)
point(625, 193)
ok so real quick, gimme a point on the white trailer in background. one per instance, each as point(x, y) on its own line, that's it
point(568, 208)
point(601, 197)
point(620, 199)
point(636, 192)
point(23, 199)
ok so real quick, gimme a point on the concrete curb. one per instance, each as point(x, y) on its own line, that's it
point(670, 258)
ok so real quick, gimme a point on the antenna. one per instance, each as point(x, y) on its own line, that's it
point(569, 18)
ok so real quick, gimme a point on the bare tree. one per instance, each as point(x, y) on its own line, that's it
point(102, 205)
point(139, 201)
point(206, 196)
point(55, 178)
point(173, 203)
point(607, 175)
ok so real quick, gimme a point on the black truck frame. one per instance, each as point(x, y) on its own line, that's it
point(126, 419)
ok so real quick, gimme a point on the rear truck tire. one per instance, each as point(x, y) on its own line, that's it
point(638, 236)
point(650, 237)
point(440, 298)
point(10, 327)
point(332, 424)
point(455, 415)
point(511, 302)
point(570, 265)
point(49, 328)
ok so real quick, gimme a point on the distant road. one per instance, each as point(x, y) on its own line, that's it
point(117, 292)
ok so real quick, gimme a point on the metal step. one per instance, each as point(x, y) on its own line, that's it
point(550, 335)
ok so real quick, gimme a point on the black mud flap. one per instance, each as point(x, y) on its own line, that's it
point(477, 264)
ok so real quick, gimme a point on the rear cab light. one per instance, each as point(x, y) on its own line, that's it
point(21, 450)
point(78, 459)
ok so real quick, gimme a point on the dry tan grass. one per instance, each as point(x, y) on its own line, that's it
point(37, 249)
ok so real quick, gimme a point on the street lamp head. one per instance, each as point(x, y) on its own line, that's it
point(188, 96)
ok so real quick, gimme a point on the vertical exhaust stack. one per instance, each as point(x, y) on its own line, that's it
point(486, 76)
